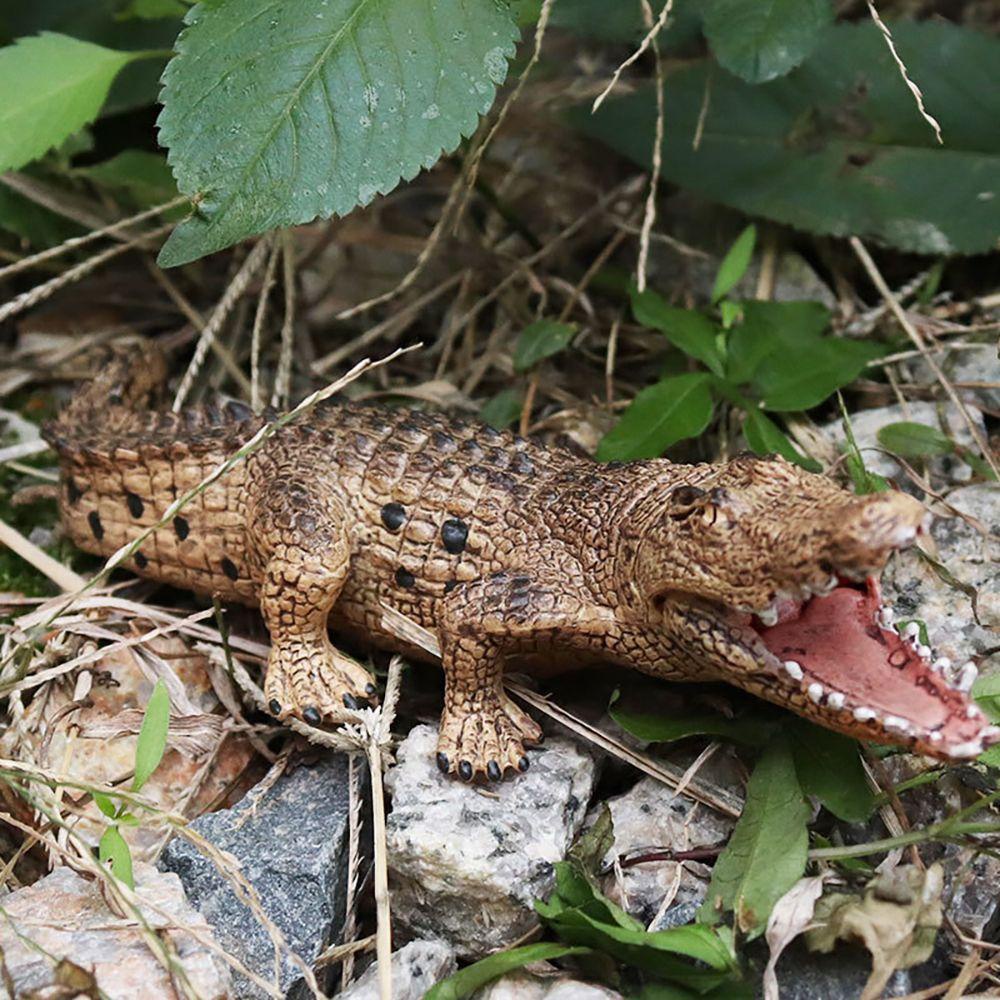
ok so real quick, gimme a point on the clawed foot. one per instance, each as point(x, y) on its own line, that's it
point(486, 742)
point(315, 685)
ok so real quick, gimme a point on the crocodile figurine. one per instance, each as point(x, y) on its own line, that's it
point(750, 571)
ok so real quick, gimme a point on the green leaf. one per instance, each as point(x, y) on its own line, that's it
point(734, 265)
point(276, 114)
point(588, 850)
point(503, 409)
point(152, 736)
point(759, 40)
point(541, 340)
point(50, 87)
point(151, 10)
point(837, 146)
point(688, 330)
point(146, 177)
point(113, 851)
point(751, 730)
point(766, 854)
point(672, 409)
point(801, 377)
point(767, 327)
point(828, 766)
point(764, 437)
point(106, 804)
point(863, 480)
point(467, 981)
point(913, 440)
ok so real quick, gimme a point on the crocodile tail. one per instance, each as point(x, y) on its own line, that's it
point(127, 377)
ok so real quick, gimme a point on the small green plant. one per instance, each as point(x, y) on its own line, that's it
point(113, 849)
point(761, 357)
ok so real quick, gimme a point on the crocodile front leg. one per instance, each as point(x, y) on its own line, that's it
point(482, 731)
point(301, 538)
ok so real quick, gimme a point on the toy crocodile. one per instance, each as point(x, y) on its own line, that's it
point(752, 571)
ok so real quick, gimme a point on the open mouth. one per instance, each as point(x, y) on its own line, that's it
point(840, 651)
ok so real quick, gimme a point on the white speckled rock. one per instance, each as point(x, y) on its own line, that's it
point(661, 894)
point(466, 864)
point(914, 589)
point(970, 370)
point(64, 915)
point(867, 423)
point(415, 969)
point(521, 986)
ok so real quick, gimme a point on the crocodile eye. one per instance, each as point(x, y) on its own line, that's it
point(684, 501)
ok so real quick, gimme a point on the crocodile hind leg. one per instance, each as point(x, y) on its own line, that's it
point(303, 548)
point(482, 731)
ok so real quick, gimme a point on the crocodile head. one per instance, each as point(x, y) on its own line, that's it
point(766, 576)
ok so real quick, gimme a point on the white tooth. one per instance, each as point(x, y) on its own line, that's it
point(973, 748)
point(835, 699)
point(769, 616)
point(991, 733)
point(972, 712)
point(966, 677)
point(924, 652)
point(793, 670)
point(895, 722)
point(815, 692)
point(911, 629)
point(934, 737)
point(941, 664)
point(886, 616)
point(865, 714)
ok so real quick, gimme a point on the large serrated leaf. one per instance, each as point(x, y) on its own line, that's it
point(276, 114)
point(50, 87)
point(837, 146)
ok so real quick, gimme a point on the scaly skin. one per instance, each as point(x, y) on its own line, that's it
point(503, 547)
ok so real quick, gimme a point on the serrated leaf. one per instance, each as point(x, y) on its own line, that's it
point(797, 379)
point(503, 409)
point(152, 740)
point(540, 340)
point(764, 437)
point(688, 330)
point(734, 265)
point(828, 766)
point(913, 440)
point(666, 412)
point(50, 87)
point(113, 851)
point(837, 146)
point(276, 114)
point(766, 854)
point(759, 40)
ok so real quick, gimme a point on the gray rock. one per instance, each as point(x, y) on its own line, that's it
point(64, 915)
point(466, 864)
point(979, 364)
point(290, 841)
point(661, 894)
point(416, 967)
point(867, 423)
point(522, 986)
point(914, 589)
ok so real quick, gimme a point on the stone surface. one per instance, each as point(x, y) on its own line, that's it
point(290, 841)
point(521, 986)
point(867, 423)
point(416, 967)
point(65, 916)
point(914, 589)
point(660, 894)
point(975, 372)
point(466, 864)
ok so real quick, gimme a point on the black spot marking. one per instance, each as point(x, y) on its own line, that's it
point(454, 534)
point(450, 586)
point(94, 520)
point(134, 503)
point(393, 516)
point(182, 527)
point(73, 492)
point(351, 702)
point(237, 410)
point(371, 690)
point(229, 568)
point(405, 578)
point(522, 465)
point(141, 561)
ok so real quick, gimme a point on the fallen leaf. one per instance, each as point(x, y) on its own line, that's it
point(789, 918)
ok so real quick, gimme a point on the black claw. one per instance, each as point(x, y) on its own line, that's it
point(523, 764)
point(443, 763)
point(312, 716)
point(371, 690)
point(351, 702)
point(493, 771)
point(465, 771)
point(541, 739)
point(275, 706)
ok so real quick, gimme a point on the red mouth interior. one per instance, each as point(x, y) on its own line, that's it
point(838, 642)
